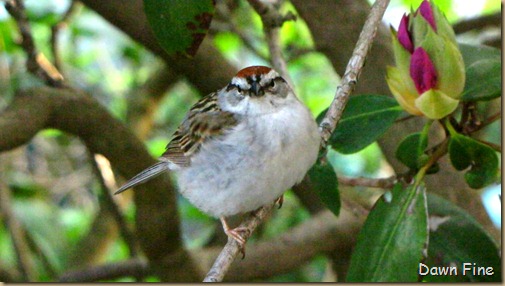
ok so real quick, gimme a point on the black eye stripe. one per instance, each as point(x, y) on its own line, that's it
point(251, 79)
point(279, 78)
point(232, 86)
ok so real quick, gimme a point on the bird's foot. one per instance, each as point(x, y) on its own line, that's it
point(280, 201)
point(236, 234)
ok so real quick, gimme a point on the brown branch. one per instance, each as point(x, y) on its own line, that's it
point(478, 23)
point(491, 119)
point(208, 71)
point(102, 169)
point(224, 14)
point(291, 249)
point(382, 183)
point(494, 146)
point(56, 28)
point(21, 248)
point(264, 259)
point(405, 118)
point(36, 62)
point(232, 249)
point(145, 100)
point(486, 122)
point(78, 113)
point(43, 257)
point(353, 71)
point(493, 41)
point(272, 21)
point(127, 268)
point(8, 275)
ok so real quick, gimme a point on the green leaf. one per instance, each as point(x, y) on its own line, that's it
point(483, 80)
point(457, 238)
point(7, 36)
point(391, 243)
point(466, 152)
point(410, 150)
point(435, 104)
point(323, 177)
point(472, 54)
point(365, 119)
point(179, 25)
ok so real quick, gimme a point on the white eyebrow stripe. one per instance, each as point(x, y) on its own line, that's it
point(238, 81)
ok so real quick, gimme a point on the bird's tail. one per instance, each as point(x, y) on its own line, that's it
point(144, 176)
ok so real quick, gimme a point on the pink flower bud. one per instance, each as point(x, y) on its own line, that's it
point(429, 75)
point(422, 71)
point(404, 36)
point(427, 13)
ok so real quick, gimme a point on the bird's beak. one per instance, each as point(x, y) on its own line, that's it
point(255, 88)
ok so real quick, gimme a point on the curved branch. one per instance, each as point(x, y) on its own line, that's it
point(264, 259)
point(208, 71)
point(103, 171)
point(78, 113)
point(127, 268)
point(478, 23)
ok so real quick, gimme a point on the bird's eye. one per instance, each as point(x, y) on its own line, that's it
point(272, 87)
point(232, 86)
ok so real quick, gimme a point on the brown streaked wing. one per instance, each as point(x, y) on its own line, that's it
point(204, 120)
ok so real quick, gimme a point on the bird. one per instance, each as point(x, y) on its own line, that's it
point(240, 148)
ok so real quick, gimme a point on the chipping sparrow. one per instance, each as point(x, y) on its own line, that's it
point(241, 147)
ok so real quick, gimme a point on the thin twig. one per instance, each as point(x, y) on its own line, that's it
point(16, 231)
point(42, 256)
point(232, 249)
point(488, 121)
point(494, 146)
point(382, 183)
point(478, 23)
point(229, 25)
point(102, 169)
point(55, 31)
point(491, 119)
point(272, 21)
point(36, 62)
point(294, 53)
point(353, 70)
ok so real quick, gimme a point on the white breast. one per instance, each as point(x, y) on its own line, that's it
point(253, 164)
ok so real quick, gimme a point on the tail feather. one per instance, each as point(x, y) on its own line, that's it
point(144, 176)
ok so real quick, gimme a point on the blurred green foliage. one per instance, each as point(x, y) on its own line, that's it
point(109, 65)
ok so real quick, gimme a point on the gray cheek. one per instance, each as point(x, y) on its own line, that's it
point(234, 98)
point(283, 91)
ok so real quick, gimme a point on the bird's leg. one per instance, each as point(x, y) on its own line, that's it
point(235, 234)
point(280, 201)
